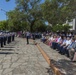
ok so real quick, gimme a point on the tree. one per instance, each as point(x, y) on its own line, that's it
point(61, 28)
point(3, 25)
point(32, 10)
point(58, 11)
point(48, 28)
point(17, 20)
point(39, 26)
point(26, 13)
point(66, 27)
point(50, 12)
point(7, 0)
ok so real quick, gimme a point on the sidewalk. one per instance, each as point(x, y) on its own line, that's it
point(18, 58)
point(61, 61)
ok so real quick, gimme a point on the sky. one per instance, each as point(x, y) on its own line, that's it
point(7, 6)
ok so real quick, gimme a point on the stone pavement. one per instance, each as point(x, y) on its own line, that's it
point(61, 61)
point(18, 58)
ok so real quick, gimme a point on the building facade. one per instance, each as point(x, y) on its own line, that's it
point(73, 24)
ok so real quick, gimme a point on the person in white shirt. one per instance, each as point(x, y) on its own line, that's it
point(27, 36)
point(68, 42)
point(65, 45)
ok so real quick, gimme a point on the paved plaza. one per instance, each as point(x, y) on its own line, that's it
point(18, 58)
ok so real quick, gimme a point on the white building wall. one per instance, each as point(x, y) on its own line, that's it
point(72, 23)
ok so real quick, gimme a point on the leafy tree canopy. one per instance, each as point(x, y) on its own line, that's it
point(3, 25)
point(7, 0)
point(60, 28)
point(31, 8)
point(58, 11)
point(27, 12)
point(32, 14)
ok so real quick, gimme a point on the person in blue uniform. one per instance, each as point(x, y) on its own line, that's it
point(1, 39)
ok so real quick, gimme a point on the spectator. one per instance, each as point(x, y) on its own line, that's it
point(72, 48)
point(64, 46)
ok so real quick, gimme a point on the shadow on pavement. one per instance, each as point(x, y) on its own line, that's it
point(50, 71)
point(7, 49)
point(66, 66)
point(30, 44)
point(8, 53)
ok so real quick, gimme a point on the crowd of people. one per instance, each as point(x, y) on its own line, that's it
point(6, 37)
point(65, 44)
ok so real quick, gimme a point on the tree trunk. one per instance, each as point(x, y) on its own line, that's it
point(31, 26)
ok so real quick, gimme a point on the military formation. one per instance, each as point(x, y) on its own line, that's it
point(6, 38)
